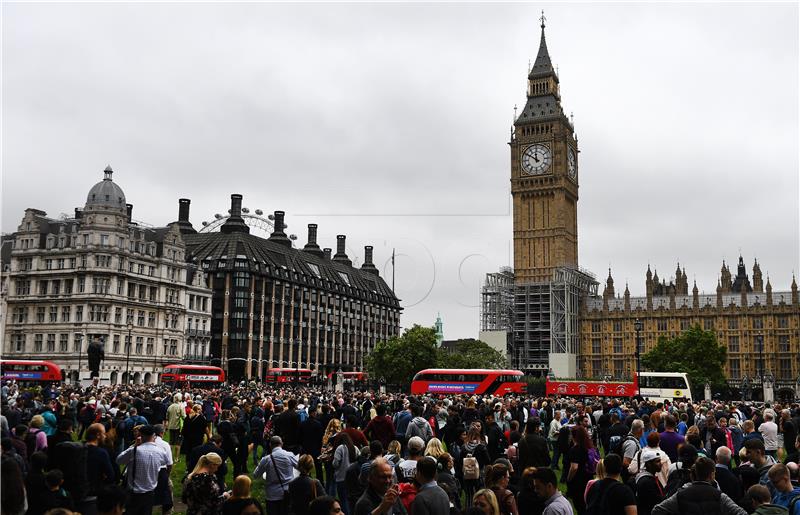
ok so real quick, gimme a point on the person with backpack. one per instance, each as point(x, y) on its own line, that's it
point(649, 491)
point(581, 470)
point(608, 496)
point(761, 501)
point(783, 492)
point(474, 458)
point(629, 446)
point(35, 438)
point(418, 426)
point(680, 471)
point(700, 497)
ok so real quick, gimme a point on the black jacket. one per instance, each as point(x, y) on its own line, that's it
point(533, 452)
point(207, 447)
point(729, 483)
point(311, 432)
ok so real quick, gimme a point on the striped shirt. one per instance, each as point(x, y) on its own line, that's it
point(143, 475)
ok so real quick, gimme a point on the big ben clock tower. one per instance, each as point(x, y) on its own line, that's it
point(544, 178)
point(548, 285)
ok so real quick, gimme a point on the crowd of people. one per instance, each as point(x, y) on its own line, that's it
point(112, 449)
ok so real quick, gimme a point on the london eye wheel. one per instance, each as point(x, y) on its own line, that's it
point(259, 224)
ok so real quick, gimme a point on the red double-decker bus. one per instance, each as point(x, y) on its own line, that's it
point(351, 377)
point(30, 371)
point(287, 375)
point(193, 374)
point(590, 388)
point(472, 381)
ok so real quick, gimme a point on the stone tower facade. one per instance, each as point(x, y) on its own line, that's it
point(544, 178)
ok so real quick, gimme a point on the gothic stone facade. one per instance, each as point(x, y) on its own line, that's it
point(751, 320)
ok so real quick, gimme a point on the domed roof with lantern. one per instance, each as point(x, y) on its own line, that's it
point(106, 193)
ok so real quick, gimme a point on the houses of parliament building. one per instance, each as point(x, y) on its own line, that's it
point(551, 312)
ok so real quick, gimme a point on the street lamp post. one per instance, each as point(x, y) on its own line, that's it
point(80, 353)
point(637, 325)
point(297, 365)
point(128, 357)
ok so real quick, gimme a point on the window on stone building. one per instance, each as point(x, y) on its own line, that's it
point(662, 325)
point(117, 315)
point(129, 316)
point(758, 343)
point(51, 342)
point(81, 284)
point(173, 348)
point(139, 344)
point(53, 314)
point(40, 315)
point(618, 368)
point(56, 288)
point(150, 345)
point(127, 344)
point(140, 319)
point(67, 286)
point(783, 322)
point(104, 240)
point(42, 287)
point(733, 344)
point(736, 371)
point(153, 294)
point(785, 369)
point(23, 287)
point(617, 345)
point(38, 339)
point(79, 313)
point(758, 323)
point(19, 342)
point(783, 343)
point(684, 324)
point(63, 342)
point(617, 325)
point(733, 323)
point(65, 312)
point(151, 319)
point(48, 264)
point(77, 340)
point(116, 344)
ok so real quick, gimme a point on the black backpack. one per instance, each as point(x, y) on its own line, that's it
point(72, 457)
point(30, 441)
point(597, 500)
point(676, 479)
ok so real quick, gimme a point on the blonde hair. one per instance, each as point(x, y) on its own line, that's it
point(212, 458)
point(37, 421)
point(490, 498)
point(600, 471)
point(334, 426)
point(394, 448)
point(434, 448)
point(241, 487)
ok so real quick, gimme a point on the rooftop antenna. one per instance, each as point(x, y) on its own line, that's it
point(542, 19)
point(393, 270)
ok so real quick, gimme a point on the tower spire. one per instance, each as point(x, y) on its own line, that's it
point(542, 67)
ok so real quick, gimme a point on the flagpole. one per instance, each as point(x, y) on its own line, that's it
point(392, 270)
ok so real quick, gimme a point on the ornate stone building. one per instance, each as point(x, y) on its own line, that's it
point(760, 327)
point(100, 276)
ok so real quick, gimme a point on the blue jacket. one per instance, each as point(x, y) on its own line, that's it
point(785, 498)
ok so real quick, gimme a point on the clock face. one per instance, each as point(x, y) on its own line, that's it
point(572, 164)
point(536, 159)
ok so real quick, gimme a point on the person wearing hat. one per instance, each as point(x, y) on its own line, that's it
point(143, 460)
point(649, 491)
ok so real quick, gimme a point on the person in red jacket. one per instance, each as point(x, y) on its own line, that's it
point(381, 427)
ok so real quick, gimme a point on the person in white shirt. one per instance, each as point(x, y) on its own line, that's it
point(144, 460)
point(769, 431)
point(163, 495)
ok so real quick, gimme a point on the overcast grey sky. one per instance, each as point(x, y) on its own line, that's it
point(390, 122)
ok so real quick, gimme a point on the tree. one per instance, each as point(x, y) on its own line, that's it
point(399, 358)
point(696, 352)
point(471, 353)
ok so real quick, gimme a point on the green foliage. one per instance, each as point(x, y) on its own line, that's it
point(695, 352)
point(471, 353)
point(536, 386)
point(399, 358)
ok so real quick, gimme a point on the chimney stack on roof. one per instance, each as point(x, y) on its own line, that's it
point(278, 236)
point(326, 253)
point(341, 254)
point(368, 265)
point(129, 211)
point(235, 222)
point(184, 225)
point(311, 247)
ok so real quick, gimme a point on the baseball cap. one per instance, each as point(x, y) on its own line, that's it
point(649, 454)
